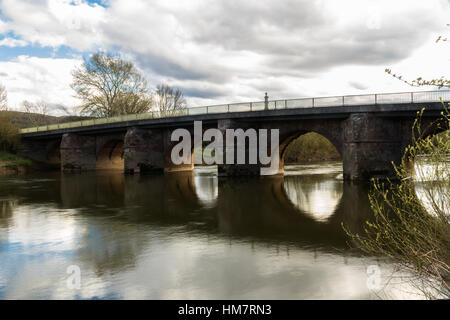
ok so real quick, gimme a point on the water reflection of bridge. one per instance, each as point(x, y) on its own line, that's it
point(292, 208)
point(159, 235)
point(111, 223)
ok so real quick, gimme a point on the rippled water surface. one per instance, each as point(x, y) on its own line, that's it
point(185, 236)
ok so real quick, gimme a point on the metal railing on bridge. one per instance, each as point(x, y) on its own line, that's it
point(350, 100)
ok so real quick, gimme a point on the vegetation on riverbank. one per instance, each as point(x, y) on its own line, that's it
point(9, 133)
point(411, 224)
point(12, 163)
point(9, 141)
point(311, 147)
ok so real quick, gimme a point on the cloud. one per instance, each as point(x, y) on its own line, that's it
point(11, 42)
point(357, 85)
point(35, 79)
point(55, 22)
point(3, 27)
point(222, 51)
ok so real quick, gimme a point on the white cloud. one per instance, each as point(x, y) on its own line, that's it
point(34, 79)
point(228, 51)
point(11, 42)
point(3, 27)
point(55, 22)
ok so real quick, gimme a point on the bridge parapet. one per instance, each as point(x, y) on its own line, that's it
point(319, 102)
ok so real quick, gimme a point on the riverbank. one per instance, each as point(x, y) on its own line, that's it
point(13, 164)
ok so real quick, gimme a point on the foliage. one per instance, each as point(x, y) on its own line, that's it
point(6, 156)
point(13, 161)
point(110, 86)
point(419, 82)
point(18, 163)
point(9, 133)
point(412, 216)
point(439, 82)
point(311, 147)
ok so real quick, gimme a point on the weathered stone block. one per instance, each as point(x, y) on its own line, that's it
point(78, 153)
point(143, 151)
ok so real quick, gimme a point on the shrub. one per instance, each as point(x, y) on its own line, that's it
point(9, 133)
point(413, 231)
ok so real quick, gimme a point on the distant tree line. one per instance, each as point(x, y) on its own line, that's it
point(311, 147)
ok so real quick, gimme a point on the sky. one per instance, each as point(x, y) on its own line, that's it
point(225, 51)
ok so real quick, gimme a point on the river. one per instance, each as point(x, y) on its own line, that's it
point(188, 236)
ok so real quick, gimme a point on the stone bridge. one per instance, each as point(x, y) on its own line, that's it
point(369, 134)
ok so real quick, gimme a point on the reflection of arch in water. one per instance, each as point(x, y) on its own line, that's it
point(171, 196)
point(261, 208)
point(110, 156)
point(206, 185)
point(92, 189)
point(6, 211)
point(181, 190)
point(288, 138)
point(197, 188)
point(180, 186)
point(315, 195)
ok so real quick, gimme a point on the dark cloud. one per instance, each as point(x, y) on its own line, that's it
point(165, 67)
point(298, 36)
point(251, 25)
point(357, 85)
point(296, 39)
point(203, 92)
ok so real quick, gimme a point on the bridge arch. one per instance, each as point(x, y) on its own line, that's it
point(110, 155)
point(53, 157)
point(288, 139)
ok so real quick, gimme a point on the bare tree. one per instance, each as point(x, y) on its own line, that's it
point(110, 86)
point(37, 112)
point(64, 110)
point(168, 100)
point(3, 98)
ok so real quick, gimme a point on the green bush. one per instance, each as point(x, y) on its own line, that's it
point(411, 223)
point(18, 163)
point(6, 156)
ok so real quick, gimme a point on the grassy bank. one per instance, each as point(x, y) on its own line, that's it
point(10, 163)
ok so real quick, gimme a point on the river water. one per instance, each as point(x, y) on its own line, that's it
point(187, 236)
